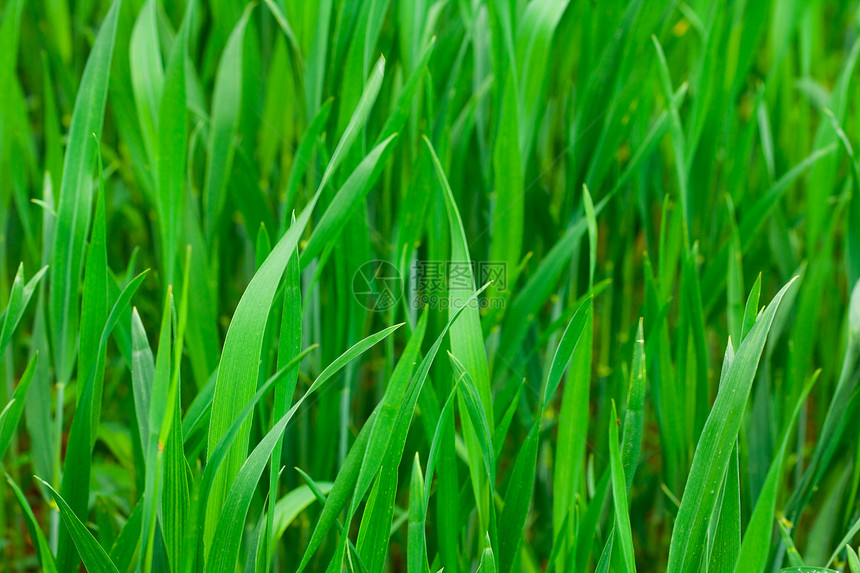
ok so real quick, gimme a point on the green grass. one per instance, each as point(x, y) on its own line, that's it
point(612, 320)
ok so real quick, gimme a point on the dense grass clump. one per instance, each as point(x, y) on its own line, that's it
point(413, 285)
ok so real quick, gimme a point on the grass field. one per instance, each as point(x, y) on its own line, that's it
point(411, 285)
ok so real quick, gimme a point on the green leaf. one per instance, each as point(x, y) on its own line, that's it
point(228, 534)
point(128, 540)
point(756, 543)
point(416, 544)
point(153, 449)
point(292, 505)
point(506, 244)
point(353, 191)
point(175, 501)
point(382, 437)
point(375, 529)
point(563, 354)
point(12, 411)
point(573, 428)
point(537, 289)
point(634, 413)
point(382, 455)
point(468, 395)
point(753, 219)
point(725, 538)
point(606, 554)
point(171, 148)
point(94, 307)
point(678, 140)
point(356, 121)
point(281, 19)
point(711, 458)
point(517, 500)
point(78, 461)
point(619, 496)
point(348, 475)
point(488, 561)
point(852, 531)
point(142, 375)
point(289, 347)
point(467, 340)
point(403, 105)
point(147, 73)
point(238, 370)
point(226, 111)
point(19, 298)
point(94, 557)
point(76, 196)
point(534, 39)
point(43, 550)
point(853, 561)
point(303, 159)
point(837, 417)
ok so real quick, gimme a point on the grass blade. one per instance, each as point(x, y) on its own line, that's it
point(227, 536)
point(226, 108)
point(15, 407)
point(94, 557)
point(715, 446)
point(46, 558)
point(171, 144)
point(19, 298)
point(619, 496)
point(77, 464)
point(75, 202)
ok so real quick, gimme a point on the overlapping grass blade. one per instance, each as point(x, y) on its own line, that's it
point(634, 413)
point(289, 347)
point(467, 338)
point(715, 446)
point(381, 437)
point(293, 504)
point(227, 536)
point(348, 474)
point(353, 191)
point(43, 550)
point(508, 159)
point(302, 161)
point(142, 375)
point(75, 202)
point(756, 543)
point(237, 374)
point(19, 298)
point(517, 499)
point(94, 557)
point(416, 545)
point(13, 410)
point(77, 465)
point(836, 418)
point(171, 148)
point(94, 306)
point(175, 501)
point(153, 449)
point(147, 74)
point(619, 496)
point(226, 108)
